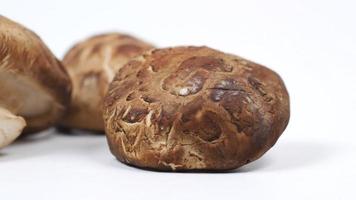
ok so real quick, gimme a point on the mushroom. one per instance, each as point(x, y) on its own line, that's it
point(34, 86)
point(92, 65)
point(193, 108)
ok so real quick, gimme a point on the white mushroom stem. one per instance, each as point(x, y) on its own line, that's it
point(11, 127)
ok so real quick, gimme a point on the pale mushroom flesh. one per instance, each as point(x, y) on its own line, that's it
point(21, 98)
point(11, 127)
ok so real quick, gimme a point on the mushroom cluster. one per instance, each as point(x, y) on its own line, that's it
point(173, 109)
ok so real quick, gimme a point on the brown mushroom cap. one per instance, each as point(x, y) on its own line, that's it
point(92, 65)
point(33, 83)
point(194, 108)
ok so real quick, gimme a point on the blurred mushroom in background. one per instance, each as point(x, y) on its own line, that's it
point(92, 65)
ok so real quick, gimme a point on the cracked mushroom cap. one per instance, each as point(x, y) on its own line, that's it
point(92, 65)
point(194, 108)
point(34, 86)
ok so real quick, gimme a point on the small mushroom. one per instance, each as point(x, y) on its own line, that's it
point(92, 65)
point(34, 86)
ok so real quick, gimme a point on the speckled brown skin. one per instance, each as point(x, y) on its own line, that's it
point(92, 65)
point(24, 55)
point(194, 108)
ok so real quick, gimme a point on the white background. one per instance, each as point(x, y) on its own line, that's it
point(311, 44)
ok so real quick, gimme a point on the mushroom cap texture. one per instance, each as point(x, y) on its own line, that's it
point(28, 65)
point(92, 65)
point(193, 108)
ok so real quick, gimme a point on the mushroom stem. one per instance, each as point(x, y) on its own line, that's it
point(11, 126)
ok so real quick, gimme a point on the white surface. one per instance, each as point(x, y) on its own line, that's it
point(311, 44)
